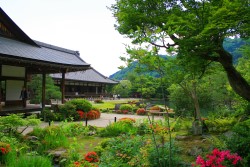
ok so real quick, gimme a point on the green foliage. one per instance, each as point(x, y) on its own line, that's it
point(51, 116)
point(68, 110)
point(190, 26)
point(9, 124)
point(239, 142)
point(81, 104)
point(31, 160)
point(74, 129)
point(126, 107)
point(161, 158)
point(49, 138)
point(123, 88)
point(118, 128)
point(220, 124)
point(35, 86)
point(124, 151)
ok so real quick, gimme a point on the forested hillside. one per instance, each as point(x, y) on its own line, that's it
point(231, 45)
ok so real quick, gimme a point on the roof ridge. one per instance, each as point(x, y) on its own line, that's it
point(46, 45)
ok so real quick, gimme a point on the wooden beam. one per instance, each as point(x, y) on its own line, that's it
point(63, 86)
point(43, 90)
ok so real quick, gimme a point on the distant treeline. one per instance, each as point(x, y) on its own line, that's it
point(231, 45)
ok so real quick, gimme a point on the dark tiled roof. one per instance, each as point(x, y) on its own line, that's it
point(90, 75)
point(46, 53)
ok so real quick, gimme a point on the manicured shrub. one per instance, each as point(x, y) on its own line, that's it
point(127, 120)
point(68, 110)
point(141, 111)
point(126, 107)
point(81, 104)
point(90, 115)
point(78, 109)
point(49, 115)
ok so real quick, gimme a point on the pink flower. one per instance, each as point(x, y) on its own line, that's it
point(216, 159)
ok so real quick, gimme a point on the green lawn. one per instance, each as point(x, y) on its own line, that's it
point(109, 104)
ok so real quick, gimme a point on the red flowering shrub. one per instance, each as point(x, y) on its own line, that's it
point(4, 148)
point(91, 157)
point(81, 114)
point(92, 114)
point(218, 159)
point(122, 111)
point(141, 111)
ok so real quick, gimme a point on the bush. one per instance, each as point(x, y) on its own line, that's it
point(220, 124)
point(239, 142)
point(93, 114)
point(50, 137)
point(117, 128)
point(81, 104)
point(68, 110)
point(126, 107)
point(124, 151)
point(141, 111)
point(51, 116)
point(161, 158)
point(79, 109)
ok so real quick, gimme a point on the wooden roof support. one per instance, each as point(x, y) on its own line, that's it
point(43, 90)
point(63, 86)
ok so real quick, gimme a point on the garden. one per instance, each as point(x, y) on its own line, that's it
point(126, 142)
point(201, 76)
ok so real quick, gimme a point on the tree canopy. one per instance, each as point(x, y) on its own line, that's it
point(194, 29)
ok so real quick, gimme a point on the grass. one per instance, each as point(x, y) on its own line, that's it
point(87, 143)
point(110, 104)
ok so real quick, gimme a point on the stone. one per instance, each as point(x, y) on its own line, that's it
point(196, 128)
point(178, 137)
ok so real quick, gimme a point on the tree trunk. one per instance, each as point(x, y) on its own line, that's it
point(237, 82)
point(197, 124)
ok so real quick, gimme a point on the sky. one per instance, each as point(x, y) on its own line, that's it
point(86, 26)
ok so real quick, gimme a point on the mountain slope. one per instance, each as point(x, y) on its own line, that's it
point(231, 45)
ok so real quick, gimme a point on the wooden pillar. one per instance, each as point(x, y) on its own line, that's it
point(43, 89)
point(63, 86)
point(25, 79)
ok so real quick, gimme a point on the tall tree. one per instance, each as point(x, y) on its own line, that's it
point(195, 28)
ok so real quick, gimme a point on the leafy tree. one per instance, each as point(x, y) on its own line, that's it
point(123, 88)
point(193, 29)
point(52, 91)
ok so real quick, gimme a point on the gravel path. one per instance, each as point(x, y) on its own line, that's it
point(103, 121)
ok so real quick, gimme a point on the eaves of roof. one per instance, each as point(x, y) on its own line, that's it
point(90, 75)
